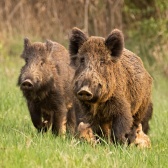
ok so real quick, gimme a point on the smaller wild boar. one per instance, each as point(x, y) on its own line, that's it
point(45, 82)
point(142, 140)
point(112, 86)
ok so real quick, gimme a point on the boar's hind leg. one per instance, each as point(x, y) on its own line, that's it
point(148, 116)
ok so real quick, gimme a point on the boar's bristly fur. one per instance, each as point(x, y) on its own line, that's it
point(45, 82)
point(111, 84)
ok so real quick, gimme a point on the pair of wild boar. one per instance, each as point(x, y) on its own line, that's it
point(98, 87)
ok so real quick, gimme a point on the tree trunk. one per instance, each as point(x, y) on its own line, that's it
point(113, 14)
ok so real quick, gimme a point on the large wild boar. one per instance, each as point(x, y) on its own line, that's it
point(112, 85)
point(45, 82)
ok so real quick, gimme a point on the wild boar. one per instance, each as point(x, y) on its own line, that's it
point(112, 85)
point(141, 140)
point(45, 82)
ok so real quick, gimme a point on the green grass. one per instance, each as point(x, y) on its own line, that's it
point(21, 146)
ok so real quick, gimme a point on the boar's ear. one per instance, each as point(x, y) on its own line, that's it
point(49, 45)
point(27, 43)
point(115, 43)
point(77, 38)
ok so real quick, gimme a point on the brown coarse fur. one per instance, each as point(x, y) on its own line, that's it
point(111, 84)
point(45, 82)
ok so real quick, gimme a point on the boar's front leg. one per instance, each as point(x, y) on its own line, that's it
point(71, 121)
point(60, 120)
point(121, 126)
point(36, 115)
point(122, 121)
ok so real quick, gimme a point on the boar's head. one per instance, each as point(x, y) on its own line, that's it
point(94, 59)
point(36, 75)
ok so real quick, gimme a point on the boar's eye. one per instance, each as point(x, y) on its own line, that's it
point(42, 63)
point(138, 131)
point(26, 60)
point(102, 61)
point(82, 60)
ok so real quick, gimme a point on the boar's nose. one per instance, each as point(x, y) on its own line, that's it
point(84, 94)
point(27, 84)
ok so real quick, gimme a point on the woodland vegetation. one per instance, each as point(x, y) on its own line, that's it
point(144, 23)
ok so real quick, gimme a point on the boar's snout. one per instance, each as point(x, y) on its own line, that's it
point(84, 94)
point(27, 85)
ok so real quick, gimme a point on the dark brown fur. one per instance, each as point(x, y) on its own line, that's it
point(111, 83)
point(48, 93)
